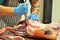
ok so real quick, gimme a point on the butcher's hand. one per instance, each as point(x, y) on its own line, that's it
point(22, 8)
point(33, 16)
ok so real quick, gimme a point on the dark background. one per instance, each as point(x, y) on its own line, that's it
point(47, 11)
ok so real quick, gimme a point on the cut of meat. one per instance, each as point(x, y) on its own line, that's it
point(37, 29)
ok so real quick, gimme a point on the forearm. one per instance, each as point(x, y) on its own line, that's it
point(35, 8)
point(6, 10)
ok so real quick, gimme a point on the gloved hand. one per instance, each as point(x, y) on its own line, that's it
point(22, 8)
point(33, 17)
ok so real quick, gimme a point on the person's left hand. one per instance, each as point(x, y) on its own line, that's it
point(33, 17)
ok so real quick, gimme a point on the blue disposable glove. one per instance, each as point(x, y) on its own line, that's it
point(33, 17)
point(22, 8)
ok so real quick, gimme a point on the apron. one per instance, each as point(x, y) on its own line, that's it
point(12, 19)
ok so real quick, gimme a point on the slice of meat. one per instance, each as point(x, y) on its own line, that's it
point(37, 29)
point(18, 38)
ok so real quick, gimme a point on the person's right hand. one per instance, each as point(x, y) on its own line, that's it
point(22, 8)
point(33, 16)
